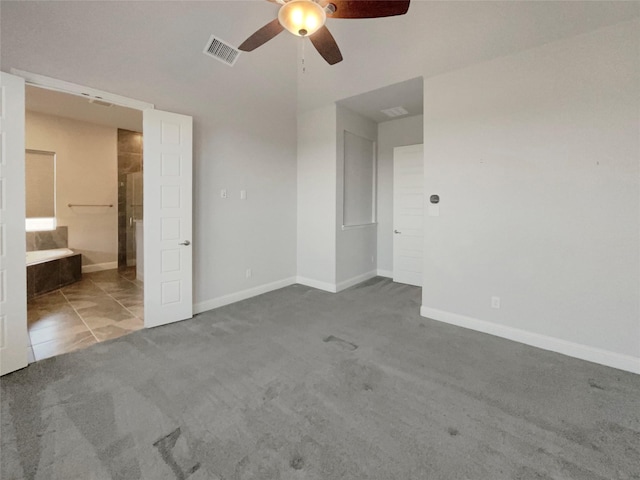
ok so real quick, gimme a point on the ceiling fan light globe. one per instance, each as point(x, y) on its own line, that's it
point(302, 17)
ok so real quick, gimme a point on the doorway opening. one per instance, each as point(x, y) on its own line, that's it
point(168, 152)
point(83, 281)
point(397, 110)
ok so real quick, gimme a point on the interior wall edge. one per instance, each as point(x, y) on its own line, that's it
point(545, 342)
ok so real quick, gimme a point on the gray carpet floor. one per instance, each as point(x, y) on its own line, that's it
point(302, 384)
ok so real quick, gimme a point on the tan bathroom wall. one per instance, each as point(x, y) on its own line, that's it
point(86, 173)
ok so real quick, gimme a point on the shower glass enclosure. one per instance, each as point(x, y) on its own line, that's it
point(133, 213)
point(130, 146)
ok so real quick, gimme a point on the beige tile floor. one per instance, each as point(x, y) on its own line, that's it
point(102, 306)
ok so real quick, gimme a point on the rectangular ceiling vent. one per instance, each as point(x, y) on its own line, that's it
point(394, 112)
point(221, 50)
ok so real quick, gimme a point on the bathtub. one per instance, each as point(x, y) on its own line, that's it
point(48, 270)
point(39, 256)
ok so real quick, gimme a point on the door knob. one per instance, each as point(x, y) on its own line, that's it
point(396, 231)
point(186, 242)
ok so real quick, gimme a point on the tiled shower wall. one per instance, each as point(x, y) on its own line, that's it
point(129, 161)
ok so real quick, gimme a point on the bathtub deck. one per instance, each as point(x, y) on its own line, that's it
point(53, 274)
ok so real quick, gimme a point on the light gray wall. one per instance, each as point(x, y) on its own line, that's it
point(355, 247)
point(316, 197)
point(260, 232)
point(535, 158)
point(391, 134)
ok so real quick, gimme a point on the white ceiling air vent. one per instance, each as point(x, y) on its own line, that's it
point(221, 50)
point(394, 112)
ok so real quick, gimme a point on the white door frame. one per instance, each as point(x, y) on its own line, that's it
point(49, 83)
point(54, 84)
point(13, 271)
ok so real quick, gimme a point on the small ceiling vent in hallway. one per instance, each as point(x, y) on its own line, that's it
point(221, 50)
point(394, 112)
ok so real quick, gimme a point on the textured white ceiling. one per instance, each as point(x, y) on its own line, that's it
point(149, 50)
point(152, 50)
point(436, 37)
point(404, 94)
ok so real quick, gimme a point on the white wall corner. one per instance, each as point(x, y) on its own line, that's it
point(355, 280)
point(384, 273)
point(571, 349)
point(335, 288)
point(241, 295)
point(309, 282)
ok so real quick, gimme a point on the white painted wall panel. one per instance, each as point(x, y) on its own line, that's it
point(535, 158)
point(316, 195)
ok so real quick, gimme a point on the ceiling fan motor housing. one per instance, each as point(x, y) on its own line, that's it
point(302, 17)
point(306, 18)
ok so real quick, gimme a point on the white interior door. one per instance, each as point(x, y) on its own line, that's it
point(13, 266)
point(408, 205)
point(167, 207)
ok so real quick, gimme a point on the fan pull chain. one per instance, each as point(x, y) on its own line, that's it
point(304, 67)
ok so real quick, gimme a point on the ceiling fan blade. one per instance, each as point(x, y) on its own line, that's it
point(368, 8)
point(262, 36)
point(326, 45)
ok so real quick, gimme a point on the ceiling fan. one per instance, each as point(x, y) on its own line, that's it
point(306, 18)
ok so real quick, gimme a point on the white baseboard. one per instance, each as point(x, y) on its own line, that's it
point(583, 352)
point(385, 273)
point(241, 295)
point(355, 280)
point(98, 267)
point(309, 282)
